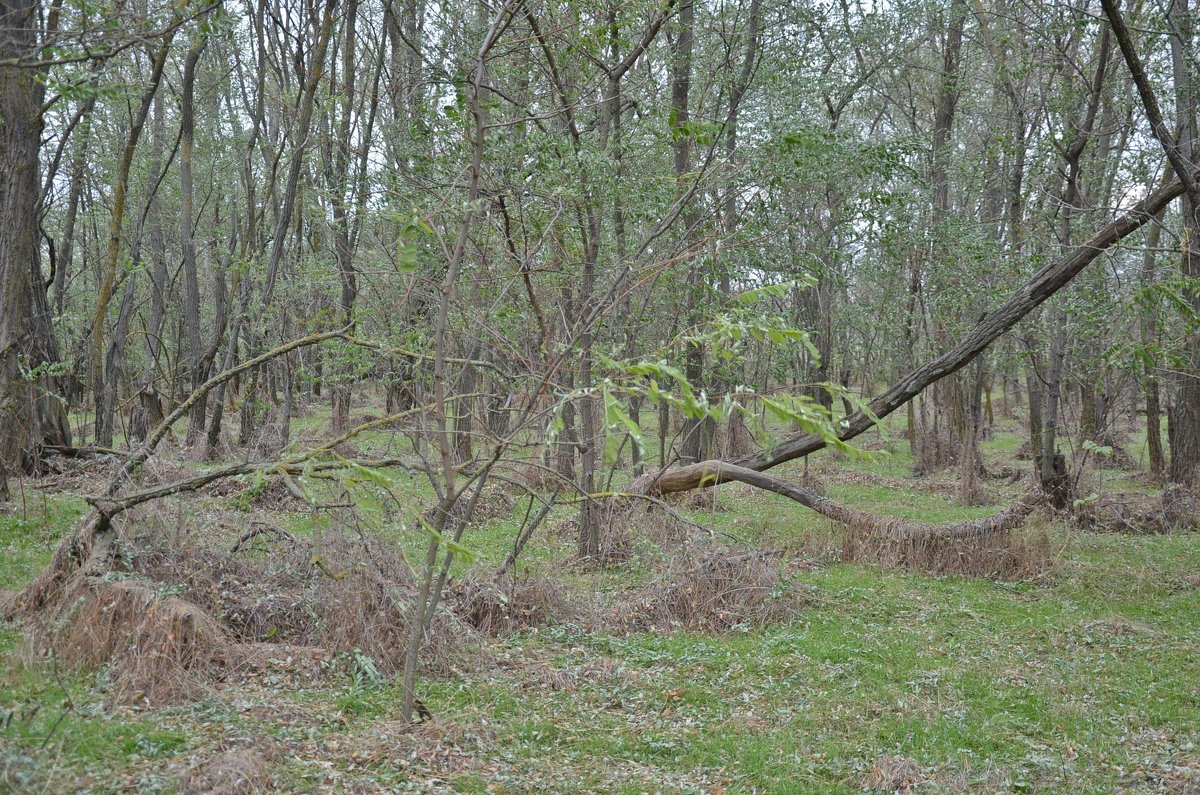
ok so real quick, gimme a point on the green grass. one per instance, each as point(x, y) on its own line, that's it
point(1087, 680)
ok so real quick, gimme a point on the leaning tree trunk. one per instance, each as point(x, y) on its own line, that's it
point(1022, 301)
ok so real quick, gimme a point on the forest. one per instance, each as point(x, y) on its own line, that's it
point(680, 396)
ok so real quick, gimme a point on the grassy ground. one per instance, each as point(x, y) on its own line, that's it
point(1085, 680)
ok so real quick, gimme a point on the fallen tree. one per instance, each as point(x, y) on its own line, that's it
point(882, 526)
point(1029, 296)
point(986, 547)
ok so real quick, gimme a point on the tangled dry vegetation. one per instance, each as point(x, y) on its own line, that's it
point(186, 611)
point(1176, 509)
point(1006, 554)
point(183, 615)
point(711, 588)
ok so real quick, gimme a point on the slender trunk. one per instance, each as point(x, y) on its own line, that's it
point(191, 282)
point(148, 411)
point(1052, 466)
point(692, 443)
point(104, 409)
point(1034, 387)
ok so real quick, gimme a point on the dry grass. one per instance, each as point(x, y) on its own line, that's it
point(189, 614)
point(936, 452)
point(493, 503)
point(275, 495)
point(894, 774)
point(496, 607)
point(948, 487)
point(1010, 554)
point(160, 647)
point(1118, 459)
point(1176, 509)
point(709, 587)
point(235, 771)
point(534, 475)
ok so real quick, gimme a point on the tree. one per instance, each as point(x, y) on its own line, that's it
point(30, 413)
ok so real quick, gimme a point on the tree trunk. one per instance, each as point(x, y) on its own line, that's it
point(103, 418)
point(1033, 383)
point(692, 442)
point(1050, 470)
point(191, 282)
point(30, 413)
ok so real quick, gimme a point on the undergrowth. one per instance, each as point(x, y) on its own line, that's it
point(794, 673)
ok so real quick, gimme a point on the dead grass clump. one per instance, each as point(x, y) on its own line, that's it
point(343, 595)
point(658, 524)
point(493, 607)
point(539, 677)
point(635, 527)
point(75, 475)
point(697, 500)
point(894, 774)
point(1006, 554)
point(535, 477)
point(1119, 458)
point(358, 592)
point(157, 471)
point(443, 745)
point(935, 452)
point(1008, 475)
point(709, 587)
point(1177, 509)
point(161, 647)
point(1180, 508)
point(274, 662)
point(268, 439)
point(258, 590)
point(493, 503)
point(927, 484)
point(235, 771)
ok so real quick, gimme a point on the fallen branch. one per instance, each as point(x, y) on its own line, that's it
point(885, 527)
point(83, 452)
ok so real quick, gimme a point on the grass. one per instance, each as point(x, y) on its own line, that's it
point(1087, 680)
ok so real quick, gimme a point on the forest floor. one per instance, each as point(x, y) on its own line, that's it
point(1085, 678)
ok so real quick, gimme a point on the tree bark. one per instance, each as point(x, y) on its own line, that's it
point(30, 412)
